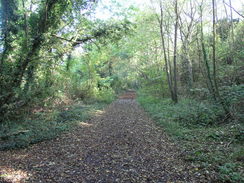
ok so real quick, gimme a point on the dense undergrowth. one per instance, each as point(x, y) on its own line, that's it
point(215, 146)
point(47, 123)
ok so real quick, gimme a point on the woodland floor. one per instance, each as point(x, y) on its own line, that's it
point(119, 144)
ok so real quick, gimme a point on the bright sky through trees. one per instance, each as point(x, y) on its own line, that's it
point(106, 13)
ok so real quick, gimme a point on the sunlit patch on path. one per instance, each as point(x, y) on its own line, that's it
point(11, 175)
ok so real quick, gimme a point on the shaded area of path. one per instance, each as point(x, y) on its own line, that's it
point(120, 144)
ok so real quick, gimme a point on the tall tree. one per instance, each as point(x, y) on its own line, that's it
point(166, 58)
point(41, 38)
point(216, 87)
point(205, 56)
point(186, 26)
point(175, 51)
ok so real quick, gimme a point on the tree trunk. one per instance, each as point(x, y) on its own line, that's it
point(160, 21)
point(175, 52)
point(216, 90)
point(205, 59)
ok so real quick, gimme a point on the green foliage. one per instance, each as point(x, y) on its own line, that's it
point(36, 39)
point(223, 28)
point(233, 96)
point(106, 95)
point(239, 43)
point(228, 173)
point(44, 125)
point(197, 128)
point(189, 112)
point(41, 67)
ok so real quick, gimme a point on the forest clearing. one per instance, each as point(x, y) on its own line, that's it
point(121, 91)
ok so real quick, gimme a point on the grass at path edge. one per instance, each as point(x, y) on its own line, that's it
point(42, 126)
point(215, 149)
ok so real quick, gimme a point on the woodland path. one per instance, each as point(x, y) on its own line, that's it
point(120, 144)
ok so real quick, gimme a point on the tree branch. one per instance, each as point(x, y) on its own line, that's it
point(234, 10)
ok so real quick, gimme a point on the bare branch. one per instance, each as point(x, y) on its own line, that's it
point(234, 10)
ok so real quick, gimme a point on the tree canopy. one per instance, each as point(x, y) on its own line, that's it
point(180, 55)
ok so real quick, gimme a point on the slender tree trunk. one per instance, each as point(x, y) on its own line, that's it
point(232, 32)
point(167, 67)
point(205, 59)
point(168, 50)
point(222, 102)
point(200, 65)
point(110, 68)
point(175, 52)
point(170, 65)
point(186, 64)
point(26, 25)
point(230, 41)
point(185, 35)
point(214, 48)
point(160, 21)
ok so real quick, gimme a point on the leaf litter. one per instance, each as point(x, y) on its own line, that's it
point(121, 144)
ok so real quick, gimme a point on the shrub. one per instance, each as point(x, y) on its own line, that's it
point(106, 95)
point(43, 125)
point(187, 112)
point(216, 148)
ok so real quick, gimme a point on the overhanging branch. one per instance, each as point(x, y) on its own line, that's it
point(113, 32)
point(234, 10)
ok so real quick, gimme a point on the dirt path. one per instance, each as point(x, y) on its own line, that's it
point(120, 144)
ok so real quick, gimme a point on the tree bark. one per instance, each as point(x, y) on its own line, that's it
point(175, 52)
point(216, 90)
point(160, 20)
point(205, 59)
